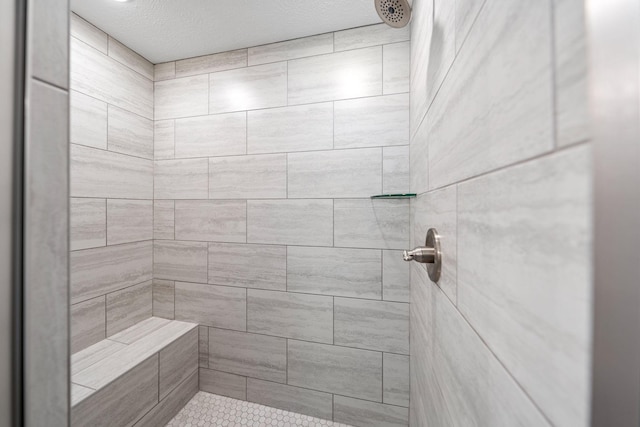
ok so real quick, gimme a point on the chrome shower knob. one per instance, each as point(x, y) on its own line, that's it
point(429, 254)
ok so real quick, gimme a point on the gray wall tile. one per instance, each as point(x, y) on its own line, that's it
point(128, 306)
point(372, 122)
point(395, 377)
point(336, 173)
point(549, 332)
point(372, 223)
point(223, 384)
point(168, 407)
point(203, 346)
point(48, 52)
point(294, 399)
point(164, 298)
point(129, 221)
point(339, 370)
point(466, 13)
point(96, 272)
point(211, 220)
point(395, 277)
point(395, 169)
point(419, 160)
point(372, 325)
point(336, 76)
point(178, 361)
point(240, 353)
point(290, 315)
point(185, 261)
point(291, 49)
point(131, 59)
point(130, 133)
point(260, 86)
point(164, 219)
point(248, 177)
point(183, 97)
point(217, 135)
point(334, 271)
point(87, 223)
point(217, 306)
point(163, 139)
point(421, 29)
point(287, 129)
point(395, 67)
point(211, 63)
point(181, 179)
point(292, 222)
point(88, 120)
point(84, 31)
point(361, 412)
point(248, 266)
point(164, 71)
point(98, 173)
point(371, 35)
point(87, 323)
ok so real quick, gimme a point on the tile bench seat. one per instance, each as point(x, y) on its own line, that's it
point(141, 376)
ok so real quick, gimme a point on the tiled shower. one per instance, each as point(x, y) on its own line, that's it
point(223, 239)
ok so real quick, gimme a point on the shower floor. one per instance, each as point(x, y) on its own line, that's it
point(206, 409)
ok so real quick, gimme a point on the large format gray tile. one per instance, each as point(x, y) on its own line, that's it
point(240, 353)
point(164, 219)
point(438, 209)
point(396, 67)
point(163, 298)
point(164, 71)
point(130, 133)
point(372, 122)
point(181, 179)
point(290, 222)
point(211, 63)
point(216, 306)
point(163, 139)
point(131, 59)
point(419, 160)
point(260, 86)
point(291, 49)
point(206, 136)
point(530, 297)
point(441, 45)
point(203, 346)
point(95, 272)
point(340, 370)
point(334, 271)
point(395, 170)
point(183, 97)
point(129, 221)
point(471, 129)
point(87, 323)
point(287, 129)
point(395, 277)
point(294, 399)
point(466, 12)
point(140, 330)
point(79, 393)
point(168, 407)
point(186, 261)
point(248, 177)
point(336, 76)
point(48, 52)
point(223, 384)
point(211, 220)
point(372, 223)
point(335, 173)
point(371, 414)
point(248, 266)
point(372, 325)
point(98, 173)
point(421, 29)
point(290, 315)
point(571, 70)
point(178, 361)
point(88, 120)
point(122, 402)
point(372, 35)
point(104, 78)
point(91, 35)
point(93, 354)
point(128, 306)
point(395, 379)
point(87, 223)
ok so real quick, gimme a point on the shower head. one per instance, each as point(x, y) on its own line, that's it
point(396, 13)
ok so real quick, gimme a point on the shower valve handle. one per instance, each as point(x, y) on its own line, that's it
point(429, 254)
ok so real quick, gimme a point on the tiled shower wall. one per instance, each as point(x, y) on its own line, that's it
point(501, 161)
point(111, 185)
point(265, 159)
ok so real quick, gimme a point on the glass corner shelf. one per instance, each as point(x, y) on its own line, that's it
point(395, 196)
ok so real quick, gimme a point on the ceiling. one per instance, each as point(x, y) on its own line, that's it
point(166, 30)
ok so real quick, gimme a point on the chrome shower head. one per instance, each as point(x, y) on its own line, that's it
point(396, 13)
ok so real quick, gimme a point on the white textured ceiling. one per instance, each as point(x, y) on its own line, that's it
point(165, 30)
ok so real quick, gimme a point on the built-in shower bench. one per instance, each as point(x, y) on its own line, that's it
point(141, 376)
